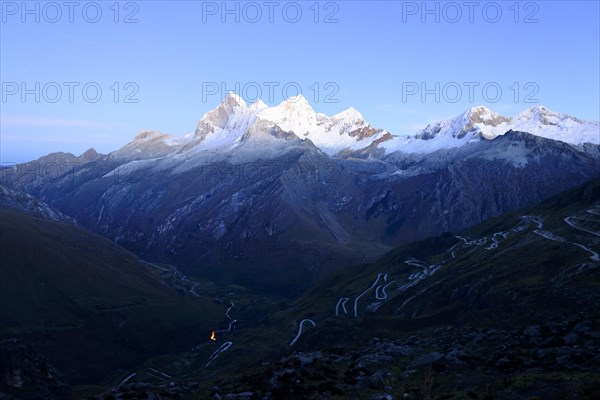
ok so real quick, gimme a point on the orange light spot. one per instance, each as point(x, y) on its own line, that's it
point(212, 336)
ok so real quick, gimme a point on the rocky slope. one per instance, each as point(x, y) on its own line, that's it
point(27, 375)
point(11, 199)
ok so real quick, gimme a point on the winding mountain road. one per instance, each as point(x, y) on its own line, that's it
point(380, 293)
point(595, 256)
point(595, 210)
point(341, 302)
point(300, 329)
point(179, 276)
point(231, 321)
point(160, 373)
point(551, 236)
point(217, 352)
point(124, 381)
point(495, 243)
point(229, 328)
point(231, 305)
point(568, 221)
point(365, 292)
point(491, 242)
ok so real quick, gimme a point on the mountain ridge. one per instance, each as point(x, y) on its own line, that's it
point(233, 122)
point(246, 180)
point(203, 213)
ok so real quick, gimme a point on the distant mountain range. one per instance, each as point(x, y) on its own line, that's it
point(387, 247)
point(257, 187)
point(261, 131)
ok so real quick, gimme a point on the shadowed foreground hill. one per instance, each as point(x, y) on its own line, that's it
point(86, 304)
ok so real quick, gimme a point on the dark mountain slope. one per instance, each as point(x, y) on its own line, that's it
point(88, 305)
point(277, 224)
point(505, 310)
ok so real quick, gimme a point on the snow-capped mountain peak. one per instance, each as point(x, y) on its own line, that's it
point(298, 99)
point(482, 114)
point(258, 106)
point(349, 115)
point(292, 115)
point(293, 108)
point(479, 123)
point(233, 100)
point(533, 113)
point(471, 124)
point(227, 116)
point(544, 116)
point(344, 131)
point(148, 144)
point(348, 130)
point(234, 124)
point(147, 135)
point(541, 121)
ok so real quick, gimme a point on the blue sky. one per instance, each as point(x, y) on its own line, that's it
point(375, 56)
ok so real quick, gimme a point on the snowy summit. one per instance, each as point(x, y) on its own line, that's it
point(234, 124)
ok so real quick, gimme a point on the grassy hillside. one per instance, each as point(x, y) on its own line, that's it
point(86, 304)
